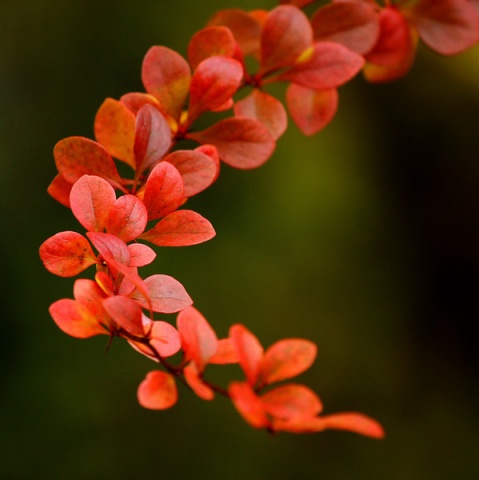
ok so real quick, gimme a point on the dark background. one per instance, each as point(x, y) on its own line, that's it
point(363, 239)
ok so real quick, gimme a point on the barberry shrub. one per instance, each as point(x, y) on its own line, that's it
point(229, 66)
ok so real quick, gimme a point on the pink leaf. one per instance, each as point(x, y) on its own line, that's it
point(196, 383)
point(164, 191)
point(248, 404)
point(249, 350)
point(198, 339)
point(242, 142)
point(166, 75)
point(127, 218)
point(166, 294)
point(140, 255)
point(152, 138)
point(266, 109)
point(214, 82)
point(180, 229)
point(67, 254)
point(126, 313)
point(312, 110)
point(197, 169)
point(226, 353)
point(115, 130)
point(157, 391)
point(91, 199)
point(135, 100)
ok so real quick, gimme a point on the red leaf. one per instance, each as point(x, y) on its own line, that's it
point(180, 229)
point(140, 255)
point(327, 65)
point(164, 191)
point(197, 169)
point(134, 101)
point(242, 142)
point(166, 294)
point(297, 3)
point(78, 156)
point(393, 55)
point(286, 34)
point(354, 422)
point(266, 109)
point(209, 42)
point(226, 353)
point(115, 130)
point(60, 189)
point(67, 254)
point(249, 350)
point(286, 359)
point(91, 199)
point(127, 218)
point(157, 391)
point(166, 75)
point(248, 404)
point(448, 26)
point(111, 248)
point(214, 82)
point(126, 313)
point(164, 338)
point(197, 385)
point(75, 319)
point(198, 339)
point(245, 27)
point(291, 401)
point(152, 138)
point(354, 25)
point(312, 110)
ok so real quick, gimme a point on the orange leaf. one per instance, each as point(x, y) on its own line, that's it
point(242, 142)
point(291, 401)
point(286, 359)
point(226, 353)
point(90, 294)
point(209, 42)
point(180, 229)
point(166, 75)
point(266, 109)
point(126, 313)
point(67, 254)
point(127, 218)
point(198, 386)
point(354, 25)
point(198, 339)
point(157, 391)
point(60, 189)
point(248, 404)
point(78, 156)
point(312, 110)
point(286, 35)
point(115, 130)
point(249, 350)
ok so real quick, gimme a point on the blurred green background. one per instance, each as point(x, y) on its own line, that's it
point(363, 239)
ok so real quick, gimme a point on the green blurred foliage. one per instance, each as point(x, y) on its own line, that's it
point(363, 239)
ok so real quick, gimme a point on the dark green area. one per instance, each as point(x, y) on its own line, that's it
point(363, 239)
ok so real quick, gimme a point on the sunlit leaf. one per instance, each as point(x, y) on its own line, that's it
point(197, 169)
point(249, 350)
point(157, 391)
point(67, 254)
point(209, 42)
point(140, 255)
point(75, 319)
point(214, 82)
point(286, 34)
point(166, 75)
point(127, 218)
point(164, 191)
point(180, 229)
point(89, 293)
point(352, 24)
point(126, 313)
point(78, 156)
point(198, 339)
point(242, 142)
point(448, 26)
point(290, 401)
point(266, 109)
point(115, 129)
point(166, 294)
point(311, 109)
point(91, 199)
point(248, 404)
point(152, 138)
point(286, 359)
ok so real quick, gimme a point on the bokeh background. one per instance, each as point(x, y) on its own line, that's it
point(363, 239)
